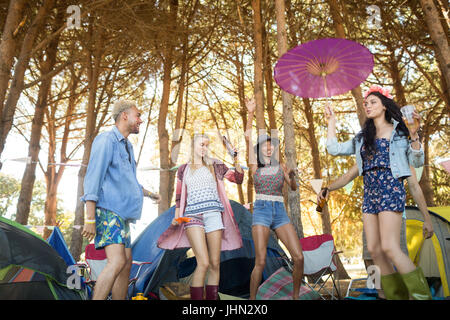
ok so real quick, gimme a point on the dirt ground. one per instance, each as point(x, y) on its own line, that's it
point(180, 291)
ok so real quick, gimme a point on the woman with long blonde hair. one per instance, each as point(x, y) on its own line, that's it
point(211, 227)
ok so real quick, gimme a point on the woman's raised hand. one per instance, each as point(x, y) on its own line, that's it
point(250, 104)
point(415, 126)
point(329, 114)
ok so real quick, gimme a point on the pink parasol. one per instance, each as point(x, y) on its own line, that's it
point(323, 68)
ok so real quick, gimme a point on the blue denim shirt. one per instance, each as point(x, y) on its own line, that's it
point(401, 155)
point(110, 179)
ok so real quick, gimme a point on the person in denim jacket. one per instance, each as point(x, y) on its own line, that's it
point(385, 148)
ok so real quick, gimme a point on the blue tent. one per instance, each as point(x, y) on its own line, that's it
point(171, 265)
point(56, 240)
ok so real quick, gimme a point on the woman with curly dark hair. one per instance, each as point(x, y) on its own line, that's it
point(385, 148)
point(269, 213)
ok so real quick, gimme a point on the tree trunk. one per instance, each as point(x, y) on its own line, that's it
point(177, 132)
point(164, 139)
point(425, 182)
point(243, 113)
point(268, 80)
point(396, 77)
point(289, 132)
point(93, 72)
point(164, 176)
point(19, 72)
point(338, 24)
point(325, 214)
point(53, 178)
point(440, 39)
point(8, 45)
point(445, 93)
point(50, 206)
point(258, 72)
point(29, 176)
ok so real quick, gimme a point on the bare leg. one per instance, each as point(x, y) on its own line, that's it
point(116, 260)
point(120, 287)
point(197, 239)
point(214, 241)
point(372, 230)
point(390, 224)
point(260, 236)
point(288, 236)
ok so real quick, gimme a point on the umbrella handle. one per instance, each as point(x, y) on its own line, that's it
point(325, 86)
point(328, 99)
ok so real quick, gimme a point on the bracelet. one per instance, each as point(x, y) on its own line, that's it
point(87, 221)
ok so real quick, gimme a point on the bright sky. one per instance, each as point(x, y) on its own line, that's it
point(17, 147)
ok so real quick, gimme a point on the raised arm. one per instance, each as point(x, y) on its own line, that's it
point(251, 106)
point(334, 147)
point(415, 153)
point(330, 116)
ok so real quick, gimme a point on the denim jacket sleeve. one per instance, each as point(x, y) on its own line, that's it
point(99, 160)
point(336, 148)
point(416, 158)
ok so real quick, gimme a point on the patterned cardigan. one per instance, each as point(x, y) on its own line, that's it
point(175, 236)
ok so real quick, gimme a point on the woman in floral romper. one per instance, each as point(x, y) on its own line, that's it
point(385, 148)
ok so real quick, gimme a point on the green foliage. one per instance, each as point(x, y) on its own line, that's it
point(9, 191)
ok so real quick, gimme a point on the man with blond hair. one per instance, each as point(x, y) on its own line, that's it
point(114, 199)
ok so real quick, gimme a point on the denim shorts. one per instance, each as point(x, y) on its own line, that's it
point(271, 214)
point(210, 221)
point(111, 229)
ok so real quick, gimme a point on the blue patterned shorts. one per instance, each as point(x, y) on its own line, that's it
point(382, 192)
point(111, 229)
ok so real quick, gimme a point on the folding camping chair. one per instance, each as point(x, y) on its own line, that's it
point(319, 261)
point(96, 261)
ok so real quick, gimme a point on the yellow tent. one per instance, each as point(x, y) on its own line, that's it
point(432, 255)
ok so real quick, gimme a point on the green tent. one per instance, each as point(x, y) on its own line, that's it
point(30, 268)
